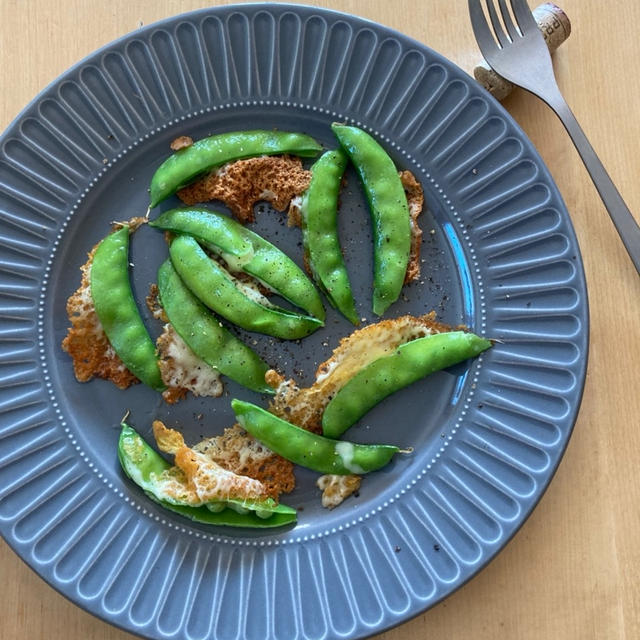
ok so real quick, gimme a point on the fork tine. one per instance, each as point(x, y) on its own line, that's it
point(523, 15)
point(508, 22)
point(497, 27)
point(484, 37)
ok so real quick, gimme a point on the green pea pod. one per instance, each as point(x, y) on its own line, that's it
point(205, 335)
point(213, 285)
point(117, 310)
point(309, 449)
point(187, 164)
point(410, 362)
point(142, 465)
point(244, 250)
point(319, 212)
point(389, 213)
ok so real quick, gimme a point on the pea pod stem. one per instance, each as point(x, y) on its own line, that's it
point(186, 165)
point(117, 310)
point(205, 335)
point(410, 362)
point(246, 251)
point(389, 212)
point(142, 465)
point(309, 449)
point(213, 286)
point(319, 213)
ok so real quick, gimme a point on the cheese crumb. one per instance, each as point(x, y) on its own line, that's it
point(336, 488)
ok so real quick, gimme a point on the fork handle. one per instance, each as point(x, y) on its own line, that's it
point(623, 220)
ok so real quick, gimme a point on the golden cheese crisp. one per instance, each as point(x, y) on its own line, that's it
point(203, 476)
point(87, 343)
point(240, 184)
point(305, 406)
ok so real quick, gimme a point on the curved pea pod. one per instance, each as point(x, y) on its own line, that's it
point(213, 286)
point(389, 212)
point(246, 251)
point(143, 465)
point(410, 362)
point(206, 337)
point(188, 164)
point(319, 212)
point(309, 449)
point(117, 310)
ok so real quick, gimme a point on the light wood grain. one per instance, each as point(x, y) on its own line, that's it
point(572, 571)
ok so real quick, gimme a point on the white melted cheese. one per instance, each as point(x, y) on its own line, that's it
point(234, 263)
point(363, 352)
point(297, 202)
point(346, 451)
point(251, 291)
point(188, 371)
point(336, 488)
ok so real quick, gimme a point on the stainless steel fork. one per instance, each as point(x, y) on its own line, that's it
point(517, 51)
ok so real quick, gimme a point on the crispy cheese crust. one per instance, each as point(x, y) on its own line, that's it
point(86, 342)
point(240, 184)
point(182, 370)
point(336, 488)
point(305, 406)
point(235, 451)
point(208, 480)
point(181, 142)
point(415, 201)
point(241, 453)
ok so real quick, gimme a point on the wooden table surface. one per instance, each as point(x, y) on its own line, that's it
point(572, 571)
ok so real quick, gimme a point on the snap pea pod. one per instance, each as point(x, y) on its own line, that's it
point(206, 337)
point(209, 282)
point(309, 449)
point(319, 211)
point(244, 250)
point(117, 311)
point(410, 362)
point(143, 465)
point(389, 212)
point(187, 164)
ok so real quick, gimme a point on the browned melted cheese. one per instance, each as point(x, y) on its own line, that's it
point(305, 406)
point(87, 343)
point(202, 476)
point(415, 201)
point(336, 488)
point(181, 369)
point(240, 184)
point(181, 142)
point(238, 451)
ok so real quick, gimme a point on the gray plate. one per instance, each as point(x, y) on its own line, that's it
point(499, 254)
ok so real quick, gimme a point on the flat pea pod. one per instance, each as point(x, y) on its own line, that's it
point(186, 165)
point(117, 310)
point(319, 211)
point(389, 212)
point(246, 251)
point(142, 465)
point(408, 363)
point(213, 285)
point(205, 335)
point(309, 449)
